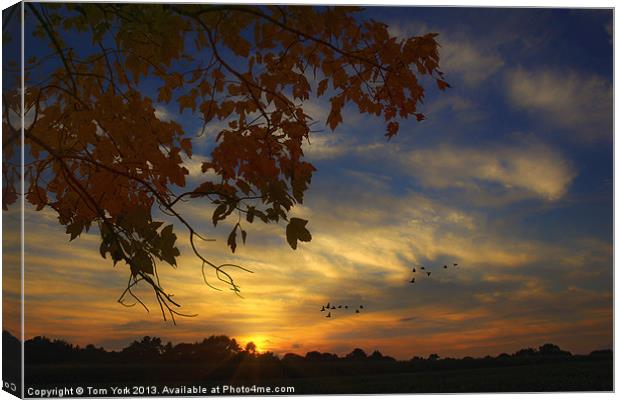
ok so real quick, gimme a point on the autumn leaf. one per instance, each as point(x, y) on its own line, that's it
point(335, 116)
point(168, 251)
point(322, 87)
point(38, 197)
point(165, 95)
point(442, 85)
point(219, 213)
point(296, 230)
point(9, 197)
point(141, 263)
point(186, 145)
point(75, 229)
point(232, 239)
point(392, 130)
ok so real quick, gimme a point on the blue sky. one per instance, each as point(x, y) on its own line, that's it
point(510, 176)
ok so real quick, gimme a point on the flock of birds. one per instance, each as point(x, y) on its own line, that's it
point(329, 307)
point(428, 273)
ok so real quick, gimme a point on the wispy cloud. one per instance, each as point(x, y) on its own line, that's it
point(455, 107)
point(531, 167)
point(163, 113)
point(324, 146)
point(469, 60)
point(574, 101)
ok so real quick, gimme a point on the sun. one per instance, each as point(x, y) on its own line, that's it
point(261, 342)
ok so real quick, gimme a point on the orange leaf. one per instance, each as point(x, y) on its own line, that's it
point(392, 130)
point(322, 87)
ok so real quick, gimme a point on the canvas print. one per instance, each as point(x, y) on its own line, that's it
point(230, 199)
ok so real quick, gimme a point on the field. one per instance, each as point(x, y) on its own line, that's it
point(586, 375)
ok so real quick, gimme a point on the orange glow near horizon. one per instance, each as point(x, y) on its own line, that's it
point(280, 311)
point(262, 343)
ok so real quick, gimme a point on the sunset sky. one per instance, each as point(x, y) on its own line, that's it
point(510, 176)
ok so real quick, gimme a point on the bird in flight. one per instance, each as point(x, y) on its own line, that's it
point(424, 269)
point(357, 311)
point(322, 308)
point(329, 315)
point(361, 307)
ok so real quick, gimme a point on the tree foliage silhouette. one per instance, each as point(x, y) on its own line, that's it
point(100, 155)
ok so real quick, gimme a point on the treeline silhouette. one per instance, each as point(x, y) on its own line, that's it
point(223, 358)
point(11, 363)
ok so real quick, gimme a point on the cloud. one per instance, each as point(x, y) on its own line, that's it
point(317, 109)
point(162, 113)
point(566, 99)
point(529, 167)
point(194, 167)
point(456, 108)
point(472, 62)
point(324, 146)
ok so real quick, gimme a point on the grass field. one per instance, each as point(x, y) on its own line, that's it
point(591, 375)
point(586, 376)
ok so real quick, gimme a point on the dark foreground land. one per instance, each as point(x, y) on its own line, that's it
point(561, 376)
point(206, 368)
